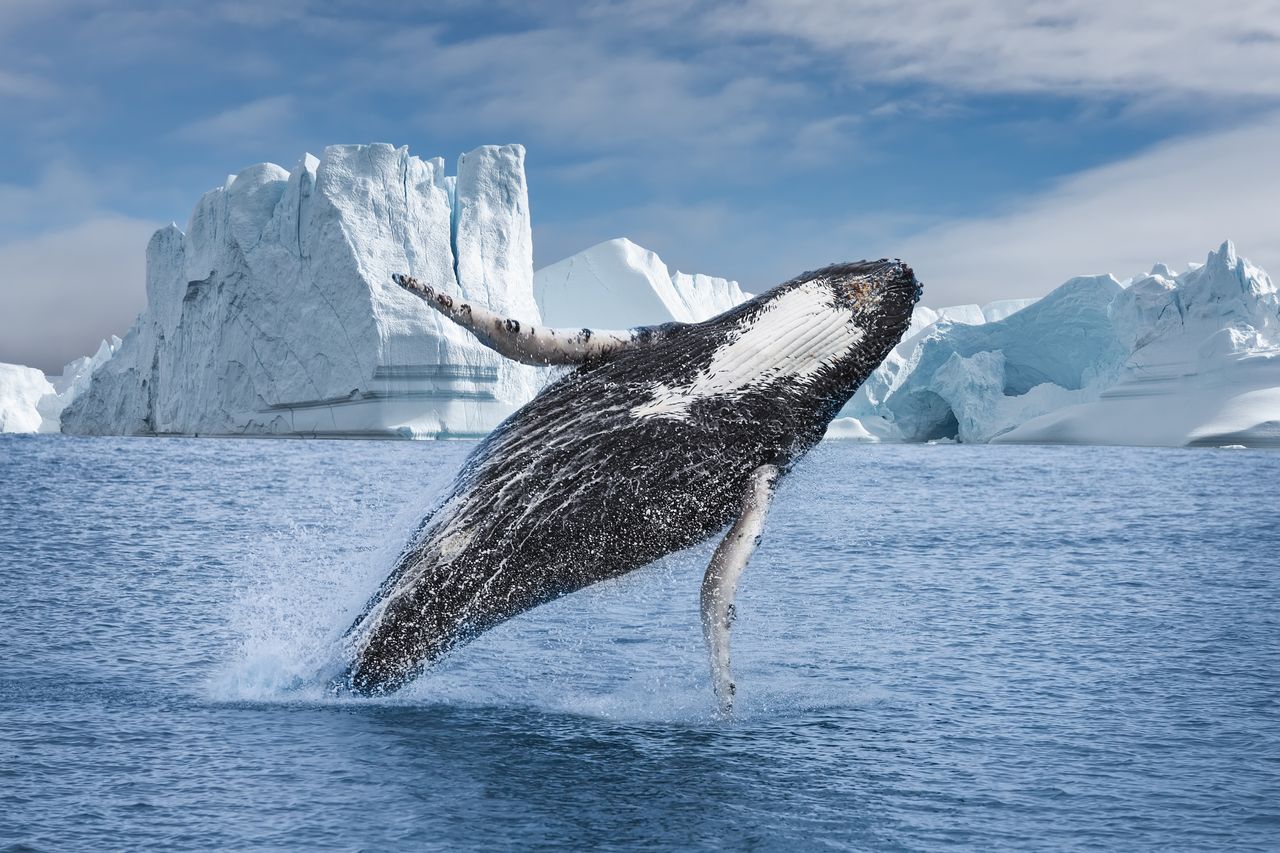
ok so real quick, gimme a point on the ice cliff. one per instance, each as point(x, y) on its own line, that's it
point(274, 312)
point(1163, 359)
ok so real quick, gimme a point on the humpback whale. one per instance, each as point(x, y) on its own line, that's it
point(655, 439)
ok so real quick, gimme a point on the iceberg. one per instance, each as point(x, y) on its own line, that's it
point(274, 313)
point(1201, 364)
point(21, 389)
point(20, 386)
point(1165, 359)
point(617, 284)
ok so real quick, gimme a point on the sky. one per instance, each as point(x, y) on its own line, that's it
point(1000, 147)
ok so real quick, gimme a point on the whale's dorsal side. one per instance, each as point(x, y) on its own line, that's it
point(527, 343)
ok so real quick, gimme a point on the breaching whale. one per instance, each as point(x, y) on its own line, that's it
point(656, 439)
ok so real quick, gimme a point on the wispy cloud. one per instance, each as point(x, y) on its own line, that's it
point(1137, 47)
point(61, 193)
point(248, 126)
point(20, 85)
point(63, 291)
point(821, 141)
point(1172, 204)
point(601, 93)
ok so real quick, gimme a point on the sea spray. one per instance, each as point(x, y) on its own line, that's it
point(302, 587)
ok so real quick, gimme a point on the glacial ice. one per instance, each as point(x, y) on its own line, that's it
point(21, 389)
point(33, 402)
point(275, 313)
point(1201, 364)
point(617, 284)
point(1163, 359)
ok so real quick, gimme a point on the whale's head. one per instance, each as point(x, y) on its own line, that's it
point(804, 345)
point(879, 295)
point(836, 323)
point(831, 327)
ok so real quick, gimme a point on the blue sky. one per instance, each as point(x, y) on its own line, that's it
point(999, 146)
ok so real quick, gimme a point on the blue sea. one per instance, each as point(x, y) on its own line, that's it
point(937, 647)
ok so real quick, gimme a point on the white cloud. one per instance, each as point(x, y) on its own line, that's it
point(593, 91)
point(252, 125)
point(63, 291)
point(62, 192)
point(27, 86)
point(1145, 47)
point(824, 141)
point(1172, 203)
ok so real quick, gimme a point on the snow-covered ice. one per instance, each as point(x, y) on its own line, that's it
point(21, 389)
point(1164, 359)
point(275, 313)
point(617, 284)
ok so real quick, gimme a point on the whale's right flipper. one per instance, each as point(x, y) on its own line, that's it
point(721, 580)
point(527, 343)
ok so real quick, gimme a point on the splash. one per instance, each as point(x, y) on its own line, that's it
point(628, 650)
point(302, 587)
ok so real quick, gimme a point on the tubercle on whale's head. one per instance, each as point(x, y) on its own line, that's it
point(880, 294)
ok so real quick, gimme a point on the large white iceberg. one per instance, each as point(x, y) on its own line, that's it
point(275, 313)
point(1201, 364)
point(1164, 359)
point(617, 284)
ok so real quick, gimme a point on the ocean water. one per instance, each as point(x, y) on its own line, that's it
point(937, 647)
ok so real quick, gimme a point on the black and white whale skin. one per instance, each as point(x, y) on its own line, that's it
point(656, 440)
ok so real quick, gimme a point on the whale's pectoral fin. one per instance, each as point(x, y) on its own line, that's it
point(525, 342)
point(721, 580)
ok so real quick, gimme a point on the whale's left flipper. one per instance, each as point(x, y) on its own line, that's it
point(527, 343)
point(721, 581)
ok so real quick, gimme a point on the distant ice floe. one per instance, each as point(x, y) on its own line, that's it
point(1164, 359)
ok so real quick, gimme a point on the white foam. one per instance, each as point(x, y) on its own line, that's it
point(302, 589)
